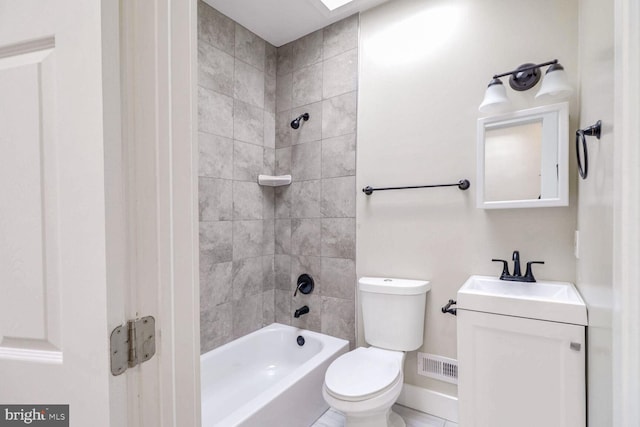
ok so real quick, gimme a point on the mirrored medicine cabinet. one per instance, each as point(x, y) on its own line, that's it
point(522, 158)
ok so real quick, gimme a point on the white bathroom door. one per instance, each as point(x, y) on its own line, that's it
point(53, 258)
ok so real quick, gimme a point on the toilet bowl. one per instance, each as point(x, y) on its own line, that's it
point(364, 383)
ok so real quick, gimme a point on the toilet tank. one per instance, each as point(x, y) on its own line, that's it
point(393, 312)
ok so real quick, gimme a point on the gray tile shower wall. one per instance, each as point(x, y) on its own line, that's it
point(236, 104)
point(315, 215)
point(255, 241)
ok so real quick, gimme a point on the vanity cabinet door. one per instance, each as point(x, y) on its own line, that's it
point(520, 372)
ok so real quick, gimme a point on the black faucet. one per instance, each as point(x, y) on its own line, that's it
point(516, 264)
point(302, 310)
point(517, 275)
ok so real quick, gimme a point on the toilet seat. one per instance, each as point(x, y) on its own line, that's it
point(363, 373)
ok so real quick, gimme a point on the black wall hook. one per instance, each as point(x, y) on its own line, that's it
point(583, 163)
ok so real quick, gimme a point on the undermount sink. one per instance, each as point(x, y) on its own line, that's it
point(552, 301)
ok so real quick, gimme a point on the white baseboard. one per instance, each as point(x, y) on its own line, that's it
point(428, 401)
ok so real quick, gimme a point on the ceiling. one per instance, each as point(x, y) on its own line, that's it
point(282, 21)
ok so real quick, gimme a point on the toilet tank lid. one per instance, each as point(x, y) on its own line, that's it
point(385, 285)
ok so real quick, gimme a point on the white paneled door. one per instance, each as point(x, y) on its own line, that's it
point(53, 257)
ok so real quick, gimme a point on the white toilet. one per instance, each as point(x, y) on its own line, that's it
point(364, 383)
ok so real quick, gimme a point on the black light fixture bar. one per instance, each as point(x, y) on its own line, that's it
point(531, 67)
point(463, 184)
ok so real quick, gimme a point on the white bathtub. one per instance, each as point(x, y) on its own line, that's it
point(267, 379)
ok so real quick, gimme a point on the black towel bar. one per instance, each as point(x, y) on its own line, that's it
point(463, 184)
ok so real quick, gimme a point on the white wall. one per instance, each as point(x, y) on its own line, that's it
point(424, 66)
point(595, 204)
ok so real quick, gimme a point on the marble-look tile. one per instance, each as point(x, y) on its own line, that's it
point(310, 265)
point(283, 202)
point(306, 160)
point(338, 197)
point(282, 266)
point(247, 277)
point(305, 201)
point(331, 418)
point(283, 236)
point(247, 200)
point(338, 277)
point(311, 130)
point(268, 307)
point(340, 37)
point(269, 132)
point(250, 48)
point(339, 156)
point(247, 315)
point(248, 161)
point(283, 306)
point(247, 239)
point(271, 59)
point(270, 87)
point(283, 161)
point(338, 318)
point(283, 129)
point(269, 161)
point(312, 320)
point(216, 327)
point(306, 85)
point(305, 237)
point(215, 113)
point(339, 115)
point(307, 50)
point(412, 418)
point(285, 59)
point(268, 273)
point(270, 94)
point(284, 84)
point(339, 237)
point(340, 74)
point(216, 240)
point(215, 284)
point(248, 84)
point(215, 158)
point(268, 202)
point(214, 199)
point(268, 237)
point(215, 69)
point(215, 28)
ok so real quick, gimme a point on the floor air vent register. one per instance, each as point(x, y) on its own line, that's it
point(438, 367)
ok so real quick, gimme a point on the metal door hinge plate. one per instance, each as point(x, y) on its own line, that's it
point(132, 344)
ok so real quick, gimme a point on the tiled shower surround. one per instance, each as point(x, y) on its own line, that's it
point(255, 241)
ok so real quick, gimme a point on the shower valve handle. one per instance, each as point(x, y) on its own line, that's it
point(305, 284)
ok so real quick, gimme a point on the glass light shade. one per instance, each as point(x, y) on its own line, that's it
point(555, 83)
point(495, 98)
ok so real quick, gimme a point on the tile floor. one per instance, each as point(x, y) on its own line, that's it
point(413, 418)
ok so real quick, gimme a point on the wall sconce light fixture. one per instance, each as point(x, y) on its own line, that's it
point(526, 76)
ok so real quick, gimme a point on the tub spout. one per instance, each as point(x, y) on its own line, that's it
point(302, 310)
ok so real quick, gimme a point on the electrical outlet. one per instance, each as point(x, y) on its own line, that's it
point(576, 244)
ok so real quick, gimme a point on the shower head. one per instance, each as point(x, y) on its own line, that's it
point(295, 123)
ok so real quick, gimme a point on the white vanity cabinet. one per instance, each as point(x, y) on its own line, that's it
point(521, 354)
point(518, 372)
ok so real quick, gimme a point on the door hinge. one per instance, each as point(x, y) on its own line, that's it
point(132, 344)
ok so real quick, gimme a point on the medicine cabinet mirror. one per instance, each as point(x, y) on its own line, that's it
point(523, 158)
